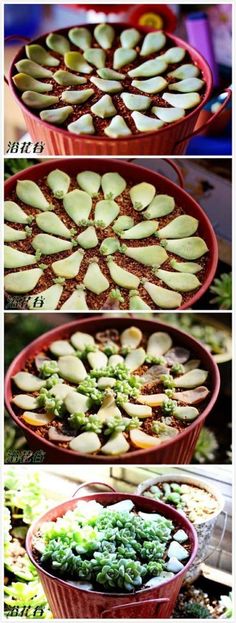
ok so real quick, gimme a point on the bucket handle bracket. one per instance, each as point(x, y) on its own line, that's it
point(177, 170)
point(108, 612)
point(89, 483)
point(211, 120)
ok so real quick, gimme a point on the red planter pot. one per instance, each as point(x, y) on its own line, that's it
point(70, 602)
point(171, 139)
point(178, 450)
point(134, 172)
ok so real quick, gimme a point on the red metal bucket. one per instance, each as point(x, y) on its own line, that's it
point(70, 602)
point(172, 139)
point(178, 450)
point(134, 172)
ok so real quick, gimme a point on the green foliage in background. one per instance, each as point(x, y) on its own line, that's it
point(222, 288)
point(25, 500)
point(20, 330)
point(15, 165)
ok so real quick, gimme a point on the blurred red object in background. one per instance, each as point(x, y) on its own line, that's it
point(158, 16)
point(102, 8)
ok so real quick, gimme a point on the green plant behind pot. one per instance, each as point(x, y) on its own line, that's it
point(222, 288)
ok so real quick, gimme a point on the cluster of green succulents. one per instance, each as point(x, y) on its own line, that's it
point(214, 338)
point(50, 403)
point(171, 493)
point(119, 372)
point(194, 610)
point(195, 502)
point(126, 386)
point(113, 549)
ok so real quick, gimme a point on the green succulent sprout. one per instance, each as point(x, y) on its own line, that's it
point(168, 406)
point(48, 368)
point(93, 424)
point(116, 424)
point(42, 266)
point(53, 380)
point(116, 294)
point(168, 381)
point(125, 350)
point(89, 388)
point(169, 393)
point(82, 354)
point(120, 372)
point(110, 349)
point(73, 232)
point(38, 255)
point(28, 230)
point(50, 403)
point(177, 369)
point(79, 421)
point(151, 359)
point(59, 280)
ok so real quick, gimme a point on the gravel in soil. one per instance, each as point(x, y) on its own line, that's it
point(191, 594)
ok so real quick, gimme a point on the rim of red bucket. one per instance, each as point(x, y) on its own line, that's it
point(164, 509)
point(149, 326)
point(122, 166)
point(195, 57)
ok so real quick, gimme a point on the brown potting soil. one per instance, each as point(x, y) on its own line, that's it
point(193, 594)
point(101, 301)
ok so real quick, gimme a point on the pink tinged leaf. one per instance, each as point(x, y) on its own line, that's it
point(192, 396)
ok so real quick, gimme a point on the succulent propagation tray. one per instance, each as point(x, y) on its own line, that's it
point(71, 354)
point(81, 69)
point(114, 236)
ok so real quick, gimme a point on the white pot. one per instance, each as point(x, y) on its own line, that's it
point(204, 527)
